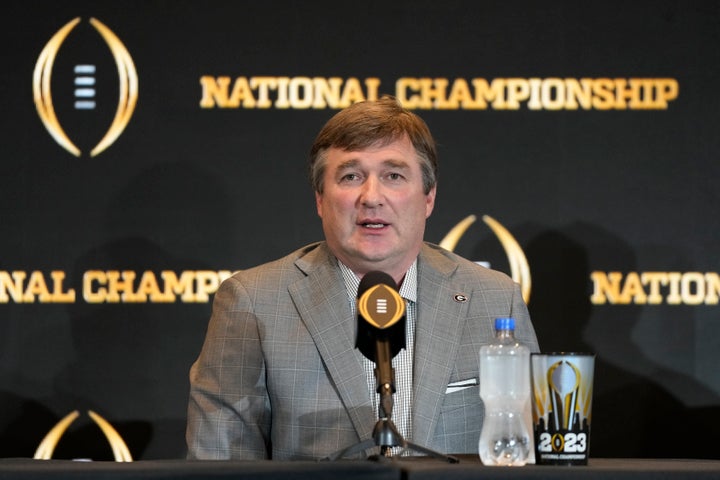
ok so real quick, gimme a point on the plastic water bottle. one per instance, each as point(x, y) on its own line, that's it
point(505, 391)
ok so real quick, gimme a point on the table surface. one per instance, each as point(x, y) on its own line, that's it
point(415, 468)
point(597, 468)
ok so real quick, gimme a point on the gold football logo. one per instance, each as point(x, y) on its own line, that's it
point(128, 81)
point(48, 444)
point(519, 269)
point(381, 306)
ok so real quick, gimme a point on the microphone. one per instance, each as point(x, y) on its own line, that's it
point(380, 336)
point(381, 330)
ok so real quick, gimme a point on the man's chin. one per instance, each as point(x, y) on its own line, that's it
point(375, 260)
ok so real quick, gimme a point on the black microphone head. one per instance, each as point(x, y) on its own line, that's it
point(373, 278)
point(381, 314)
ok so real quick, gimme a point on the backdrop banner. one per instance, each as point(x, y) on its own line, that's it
point(151, 148)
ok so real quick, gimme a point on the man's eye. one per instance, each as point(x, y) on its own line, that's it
point(349, 177)
point(394, 176)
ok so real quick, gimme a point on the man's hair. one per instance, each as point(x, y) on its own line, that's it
point(374, 123)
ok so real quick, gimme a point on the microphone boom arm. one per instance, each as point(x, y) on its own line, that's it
point(384, 377)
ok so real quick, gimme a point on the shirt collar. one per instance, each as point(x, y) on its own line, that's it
point(408, 289)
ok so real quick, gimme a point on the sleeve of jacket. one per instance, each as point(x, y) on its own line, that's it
point(229, 408)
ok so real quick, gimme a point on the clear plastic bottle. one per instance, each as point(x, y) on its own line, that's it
point(505, 391)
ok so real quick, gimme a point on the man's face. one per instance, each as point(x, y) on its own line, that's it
point(373, 207)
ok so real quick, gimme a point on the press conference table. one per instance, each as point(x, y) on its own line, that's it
point(468, 468)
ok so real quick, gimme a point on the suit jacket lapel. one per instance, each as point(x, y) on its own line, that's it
point(436, 339)
point(322, 302)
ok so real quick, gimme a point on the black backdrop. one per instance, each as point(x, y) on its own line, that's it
point(184, 189)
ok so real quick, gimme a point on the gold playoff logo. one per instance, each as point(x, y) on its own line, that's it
point(47, 446)
point(128, 91)
point(519, 268)
point(381, 306)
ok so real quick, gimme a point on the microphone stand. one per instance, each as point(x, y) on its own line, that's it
point(385, 434)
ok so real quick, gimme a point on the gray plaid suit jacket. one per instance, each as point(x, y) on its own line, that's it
point(279, 376)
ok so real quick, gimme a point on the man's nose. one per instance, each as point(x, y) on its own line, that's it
point(371, 194)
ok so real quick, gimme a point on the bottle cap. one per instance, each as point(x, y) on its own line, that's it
point(505, 323)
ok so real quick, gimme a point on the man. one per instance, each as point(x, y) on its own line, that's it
point(279, 375)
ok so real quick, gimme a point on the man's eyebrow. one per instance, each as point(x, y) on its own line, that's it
point(352, 163)
point(395, 163)
point(391, 163)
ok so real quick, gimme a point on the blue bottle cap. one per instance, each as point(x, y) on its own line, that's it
point(505, 323)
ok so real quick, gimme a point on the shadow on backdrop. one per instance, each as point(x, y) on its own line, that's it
point(131, 360)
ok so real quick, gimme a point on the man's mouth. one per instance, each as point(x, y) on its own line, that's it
point(374, 225)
